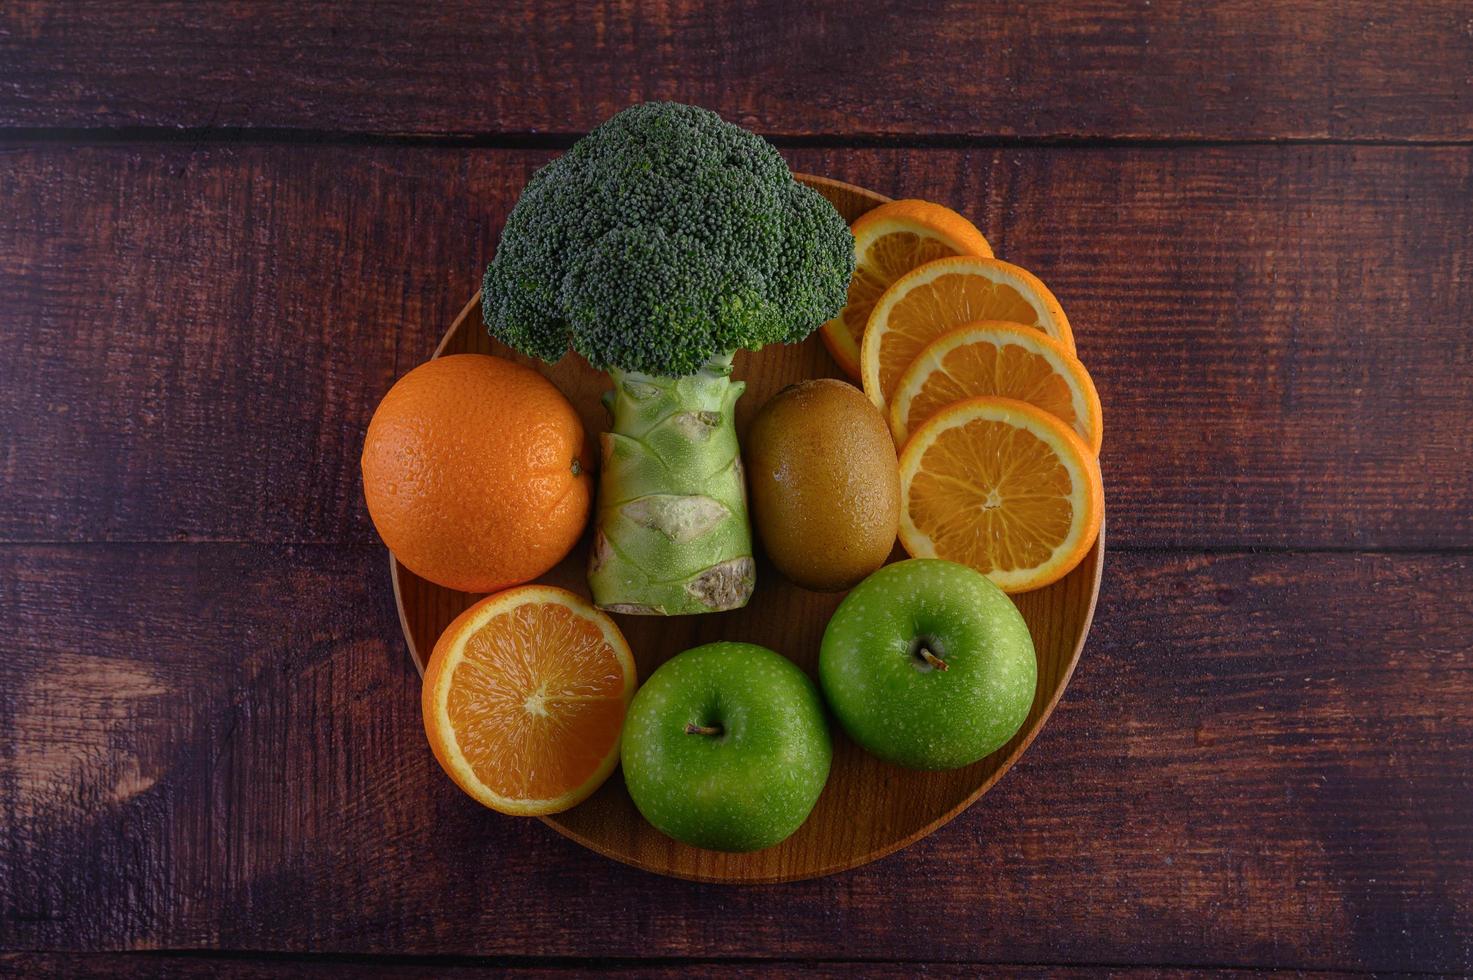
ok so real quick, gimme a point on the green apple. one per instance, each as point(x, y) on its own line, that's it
point(928, 665)
point(726, 747)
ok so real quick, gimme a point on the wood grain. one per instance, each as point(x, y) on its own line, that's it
point(1177, 69)
point(195, 337)
point(868, 809)
point(1262, 762)
point(107, 966)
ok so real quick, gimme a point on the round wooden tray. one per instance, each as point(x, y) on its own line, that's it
point(869, 808)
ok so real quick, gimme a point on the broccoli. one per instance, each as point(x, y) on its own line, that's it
point(663, 242)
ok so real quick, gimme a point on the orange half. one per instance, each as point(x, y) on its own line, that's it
point(938, 296)
point(889, 241)
point(524, 699)
point(1004, 487)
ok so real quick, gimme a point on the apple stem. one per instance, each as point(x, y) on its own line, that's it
point(936, 662)
point(703, 729)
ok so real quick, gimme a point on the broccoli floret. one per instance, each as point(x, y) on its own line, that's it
point(662, 239)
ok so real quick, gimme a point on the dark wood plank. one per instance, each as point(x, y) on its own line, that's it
point(1100, 68)
point(1262, 762)
point(168, 966)
point(196, 337)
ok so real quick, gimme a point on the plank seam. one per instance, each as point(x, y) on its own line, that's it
point(22, 137)
point(583, 963)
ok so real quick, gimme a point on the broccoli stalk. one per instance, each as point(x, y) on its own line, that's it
point(661, 243)
point(672, 516)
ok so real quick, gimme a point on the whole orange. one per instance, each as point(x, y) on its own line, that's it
point(476, 472)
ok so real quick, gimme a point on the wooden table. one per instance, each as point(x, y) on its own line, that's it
point(225, 230)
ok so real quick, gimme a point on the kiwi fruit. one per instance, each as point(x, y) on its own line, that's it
point(825, 484)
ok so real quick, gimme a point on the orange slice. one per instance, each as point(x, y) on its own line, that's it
point(932, 299)
point(524, 699)
point(1001, 486)
point(890, 241)
point(995, 358)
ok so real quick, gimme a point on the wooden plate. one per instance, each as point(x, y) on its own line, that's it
point(869, 808)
